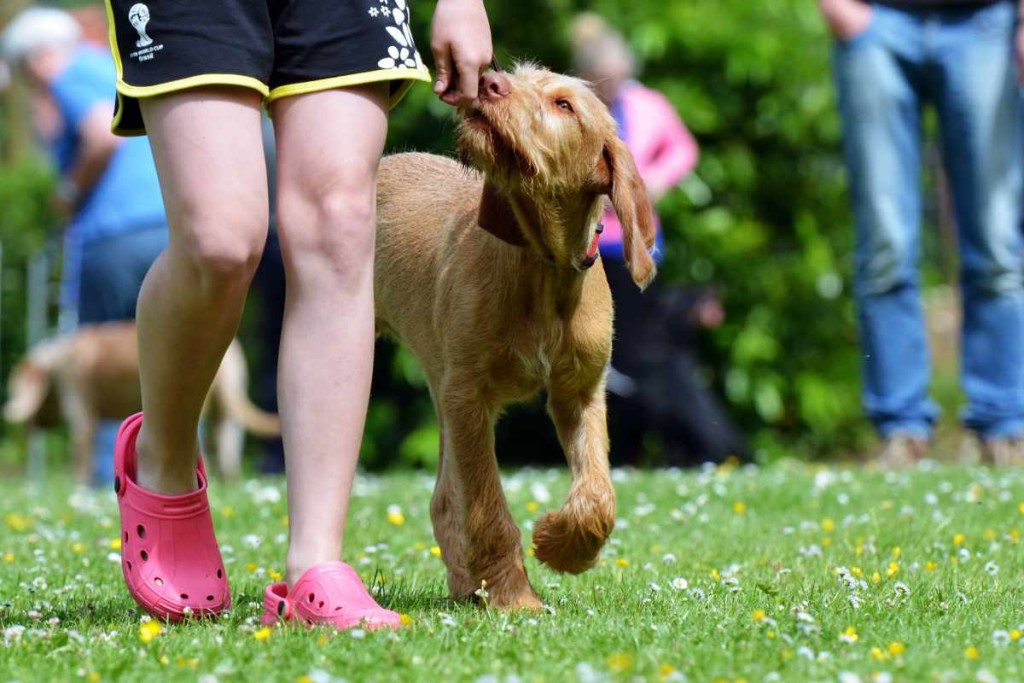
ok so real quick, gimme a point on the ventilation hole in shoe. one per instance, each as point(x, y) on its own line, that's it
point(309, 621)
point(311, 598)
point(209, 598)
point(117, 484)
point(320, 605)
point(338, 609)
point(184, 596)
point(144, 555)
point(158, 581)
point(141, 531)
point(125, 536)
point(129, 563)
point(282, 607)
point(220, 573)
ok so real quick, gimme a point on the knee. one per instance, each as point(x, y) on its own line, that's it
point(329, 228)
point(225, 247)
point(884, 266)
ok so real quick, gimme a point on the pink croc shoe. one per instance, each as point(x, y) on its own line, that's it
point(330, 593)
point(169, 554)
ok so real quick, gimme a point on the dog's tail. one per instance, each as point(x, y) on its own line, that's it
point(570, 539)
point(230, 390)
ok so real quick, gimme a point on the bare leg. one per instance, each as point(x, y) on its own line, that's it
point(329, 145)
point(206, 144)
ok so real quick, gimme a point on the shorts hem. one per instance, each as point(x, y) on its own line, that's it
point(320, 85)
point(143, 91)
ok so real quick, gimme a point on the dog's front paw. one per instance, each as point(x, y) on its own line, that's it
point(567, 546)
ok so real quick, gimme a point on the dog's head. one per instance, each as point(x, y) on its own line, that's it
point(547, 142)
point(30, 395)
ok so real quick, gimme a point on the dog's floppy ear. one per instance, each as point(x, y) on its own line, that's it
point(616, 175)
point(496, 217)
point(27, 391)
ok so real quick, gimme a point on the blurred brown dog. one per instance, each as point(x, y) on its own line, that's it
point(93, 374)
point(487, 278)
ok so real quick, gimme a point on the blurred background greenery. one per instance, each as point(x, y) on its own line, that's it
point(765, 217)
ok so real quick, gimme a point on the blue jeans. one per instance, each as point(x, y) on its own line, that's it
point(101, 284)
point(961, 61)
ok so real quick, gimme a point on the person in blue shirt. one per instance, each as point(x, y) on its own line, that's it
point(108, 188)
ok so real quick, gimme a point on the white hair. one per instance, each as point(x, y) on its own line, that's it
point(38, 27)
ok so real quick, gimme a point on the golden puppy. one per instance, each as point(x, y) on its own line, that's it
point(93, 374)
point(487, 277)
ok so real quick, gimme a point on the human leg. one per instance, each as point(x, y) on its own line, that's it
point(980, 114)
point(326, 214)
point(880, 109)
point(206, 144)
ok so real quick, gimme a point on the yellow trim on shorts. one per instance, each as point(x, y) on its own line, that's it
point(405, 74)
point(140, 92)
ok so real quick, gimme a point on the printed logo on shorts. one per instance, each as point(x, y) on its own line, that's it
point(138, 15)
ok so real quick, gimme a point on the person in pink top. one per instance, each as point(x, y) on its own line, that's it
point(655, 382)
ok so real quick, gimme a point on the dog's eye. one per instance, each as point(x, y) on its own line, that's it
point(564, 105)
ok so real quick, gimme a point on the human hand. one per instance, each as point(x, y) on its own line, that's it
point(846, 19)
point(461, 43)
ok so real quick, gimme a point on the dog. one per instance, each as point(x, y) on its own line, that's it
point(492, 278)
point(92, 374)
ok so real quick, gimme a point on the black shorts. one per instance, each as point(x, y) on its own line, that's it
point(276, 47)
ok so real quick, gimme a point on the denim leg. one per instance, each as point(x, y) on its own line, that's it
point(980, 114)
point(103, 453)
point(880, 108)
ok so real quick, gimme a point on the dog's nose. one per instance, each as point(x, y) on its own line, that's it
point(494, 86)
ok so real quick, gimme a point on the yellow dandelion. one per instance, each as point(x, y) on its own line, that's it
point(877, 654)
point(9, 558)
point(262, 634)
point(17, 522)
point(715, 575)
point(275, 575)
point(849, 635)
point(1015, 535)
point(859, 549)
point(532, 506)
point(990, 534)
point(77, 548)
point(251, 567)
point(94, 677)
point(896, 648)
point(149, 630)
point(115, 544)
point(323, 639)
point(620, 663)
point(165, 661)
point(227, 511)
point(1021, 508)
point(739, 507)
point(284, 520)
point(1015, 635)
point(930, 566)
point(786, 655)
point(857, 572)
point(435, 550)
point(893, 570)
point(896, 552)
point(303, 679)
point(771, 635)
point(419, 546)
point(958, 540)
point(656, 549)
point(193, 663)
point(826, 542)
point(828, 526)
point(530, 552)
point(622, 562)
point(405, 620)
point(972, 653)
point(759, 615)
point(666, 670)
point(395, 515)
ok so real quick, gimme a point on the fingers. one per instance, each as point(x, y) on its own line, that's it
point(443, 67)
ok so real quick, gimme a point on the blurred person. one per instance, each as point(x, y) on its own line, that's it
point(655, 385)
point(194, 77)
point(108, 189)
point(890, 59)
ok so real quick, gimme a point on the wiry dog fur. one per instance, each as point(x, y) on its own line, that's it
point(483, 276)
point(93, 374)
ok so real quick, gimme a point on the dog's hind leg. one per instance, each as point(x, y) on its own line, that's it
point(569, 540)
point(446, 516)
point(493, 547)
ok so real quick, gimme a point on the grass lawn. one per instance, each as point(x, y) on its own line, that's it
point(786, 573)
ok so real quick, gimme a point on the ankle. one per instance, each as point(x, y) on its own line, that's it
point(300, 560)
point(162, 472)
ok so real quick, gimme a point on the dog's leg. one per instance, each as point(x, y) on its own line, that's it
point(494, 552)
point(570, 539)
point(82, 426)
point(446, 515)
point(229, 442)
